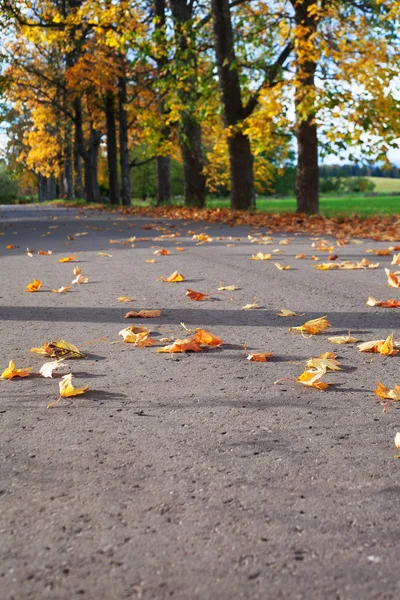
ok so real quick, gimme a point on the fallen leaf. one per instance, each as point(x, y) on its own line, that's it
point(286, 313)
point(309, 378)
point(62, 289)
point(179, 249)
point(253, 306)
point(162, 252)
point(396, 260)
point(195, 295)
point(60, 349)
point(300, 256)
point(397, 440)
point(175, 277)
point(323, 364)
point(149, 260)
point(386, 393)
point(11, 372)
point(34, 286)
point(104, 254)
point(227, 288)
point(80, 279)
point(281, 267)
point(76, 271)
point(142, 314)
point(67, 259)
point(29, 253)
point(67, 390)
point(312, 327)
point(343, 339)
point(384, 303)
point(185, 345)
point(384, 252)
point(202, 238)
point(125, 299)
point(45, 252)
point(206, 338)
point(261, 256)
point(47, 369)
point(260, 357)
point(393, 279)
point(383, 347)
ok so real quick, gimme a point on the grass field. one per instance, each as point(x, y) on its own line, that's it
point(386, 185)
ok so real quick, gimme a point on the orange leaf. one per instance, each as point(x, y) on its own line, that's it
point(383, 347)
point(62, 289)
point(312, 327)
point(206, 338)
point(12, 372)
point(186, 345)
point(67, 259)
point(261, 357)
point(393, 279)
point(195, 295)
point(162, 252)
point(45, 252)
point(175, 277)
point(309, 378)
point(142, 314)
point(34, 286)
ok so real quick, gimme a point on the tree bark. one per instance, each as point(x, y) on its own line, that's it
point(240, 158)
point(47, 188)
point(307, 174)
point(163, 180)
point(78, 175)
point(112, 149)
point(126, 185)
point(67, 174)
point(190, 129)
point(89, 155)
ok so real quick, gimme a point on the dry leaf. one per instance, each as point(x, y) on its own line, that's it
point(45, 252)
point(104, 254)
point(343, 339)
point(260, 357)
point(59, 349)
point(386, 393)
point(80, 279)
point(384, 252)
point(125, 299)
point(286, 313)
point(34, 286)
point(162, 252)
point(11, 372)
point(323, 364)
point(195, 295)
point(261, 256)
point(309, 378)
point(142, 314)
point(175, 277)
point(396, 260)
point(47, 369)
point(227, 288)
point(397, 440)
point(383, 347)
point(67, 259)
point(282, 268)
point(149, 260)
point(29, 253)
point(63, 289)
point(186, 345)
point(384, 303)
point(76, 271)
point(253, 306)
point(202, 238)
point(206, 338)
point(67, 390)
point(10, 247)
point(393, 279)
point(300, 256)
point(312, 327)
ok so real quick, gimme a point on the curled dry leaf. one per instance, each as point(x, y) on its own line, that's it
point(393, 279)
point(162, 252)
point(47, 369)
point(45, 252)
point(343, 339)
point(63, 289)
point(76, 271)
point(250, 306)
point(33, 286)
point(384, 303)
point(104, 254)
point(67, 259)
point(260, 357)
point(312, 327)
point(396, 260)
point(185, 345)
point(142, 314)
point(384, 347)
point(11, 372)
point(386, 393)
point(310, 379)
point(397, 440)
point(286, 313)
point(139, 336)
point(202, 238)
point(175, 277)
point(384, 252)
point(324, 364)
point(10, 246)
point(227, 288)
point(125, 299)
point(206, 338)
point(281, 267)
point(67, 390)
point(79, 279)
point(261, 256)
point(195, 295)
point(29, 253)
point(300, 256)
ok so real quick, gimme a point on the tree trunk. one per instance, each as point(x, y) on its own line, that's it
point(192, 155)
point(92, 191)
point(126, 186)
point(307, 174)
point(112, 149)
point(78, 179)
point(163, 180)
point(47, 188)
point(67, 174)
point(240, 159)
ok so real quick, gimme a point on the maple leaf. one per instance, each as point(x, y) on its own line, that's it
point(125, 299)
point(343, 339)
point(323, 364)
point(62, 289)
point(309, 378)
point(386, 393)
point(76, 271)
point(45, 252)
point(60, 349)
point(261, 256)
point(260, 357)
point(202, 238)
point(67, 259)
point(195, 295)
point(47, 369)
point(67, 390)
point(312, 327)
point(384, 347)
point(206, 338)
point(139, 336)
point(384, 252)
point(185, 345)
point(162, 252)
point(142, 314)
point(396, 259)
point(175, 277)
point(281, 267)
point(34, 286)
point(286, 313)
point(11, 372)
point(385, 304)
point(80, 279)
point(393, 279)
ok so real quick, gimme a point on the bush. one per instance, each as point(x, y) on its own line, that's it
point(8, 186)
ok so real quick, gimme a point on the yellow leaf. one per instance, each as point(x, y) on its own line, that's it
point(80, 279)
point(76, 271)
point(386, 393)
point(281, 267)
point(312, 327)
point(125, 299)
point(396, 259)
point(253, 306)
point(383, 347)
point(34, 286)
point(67, 390)
point(397, 440)
point(67, 259)
point(104, 254)
point(261, 256)
point(61, 349)
point(323, 364)
point(393, 279)
point(260, 357)
point(309, 378)
point(10, 372)
point(62, 289)
point(149, 260)
point(343, 339)
point(286, 313)
point(175, 277)
point(227, 288)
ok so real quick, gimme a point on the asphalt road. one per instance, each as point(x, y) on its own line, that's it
point(192, 477)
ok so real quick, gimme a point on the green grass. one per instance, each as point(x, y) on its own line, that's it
point(329, 205)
